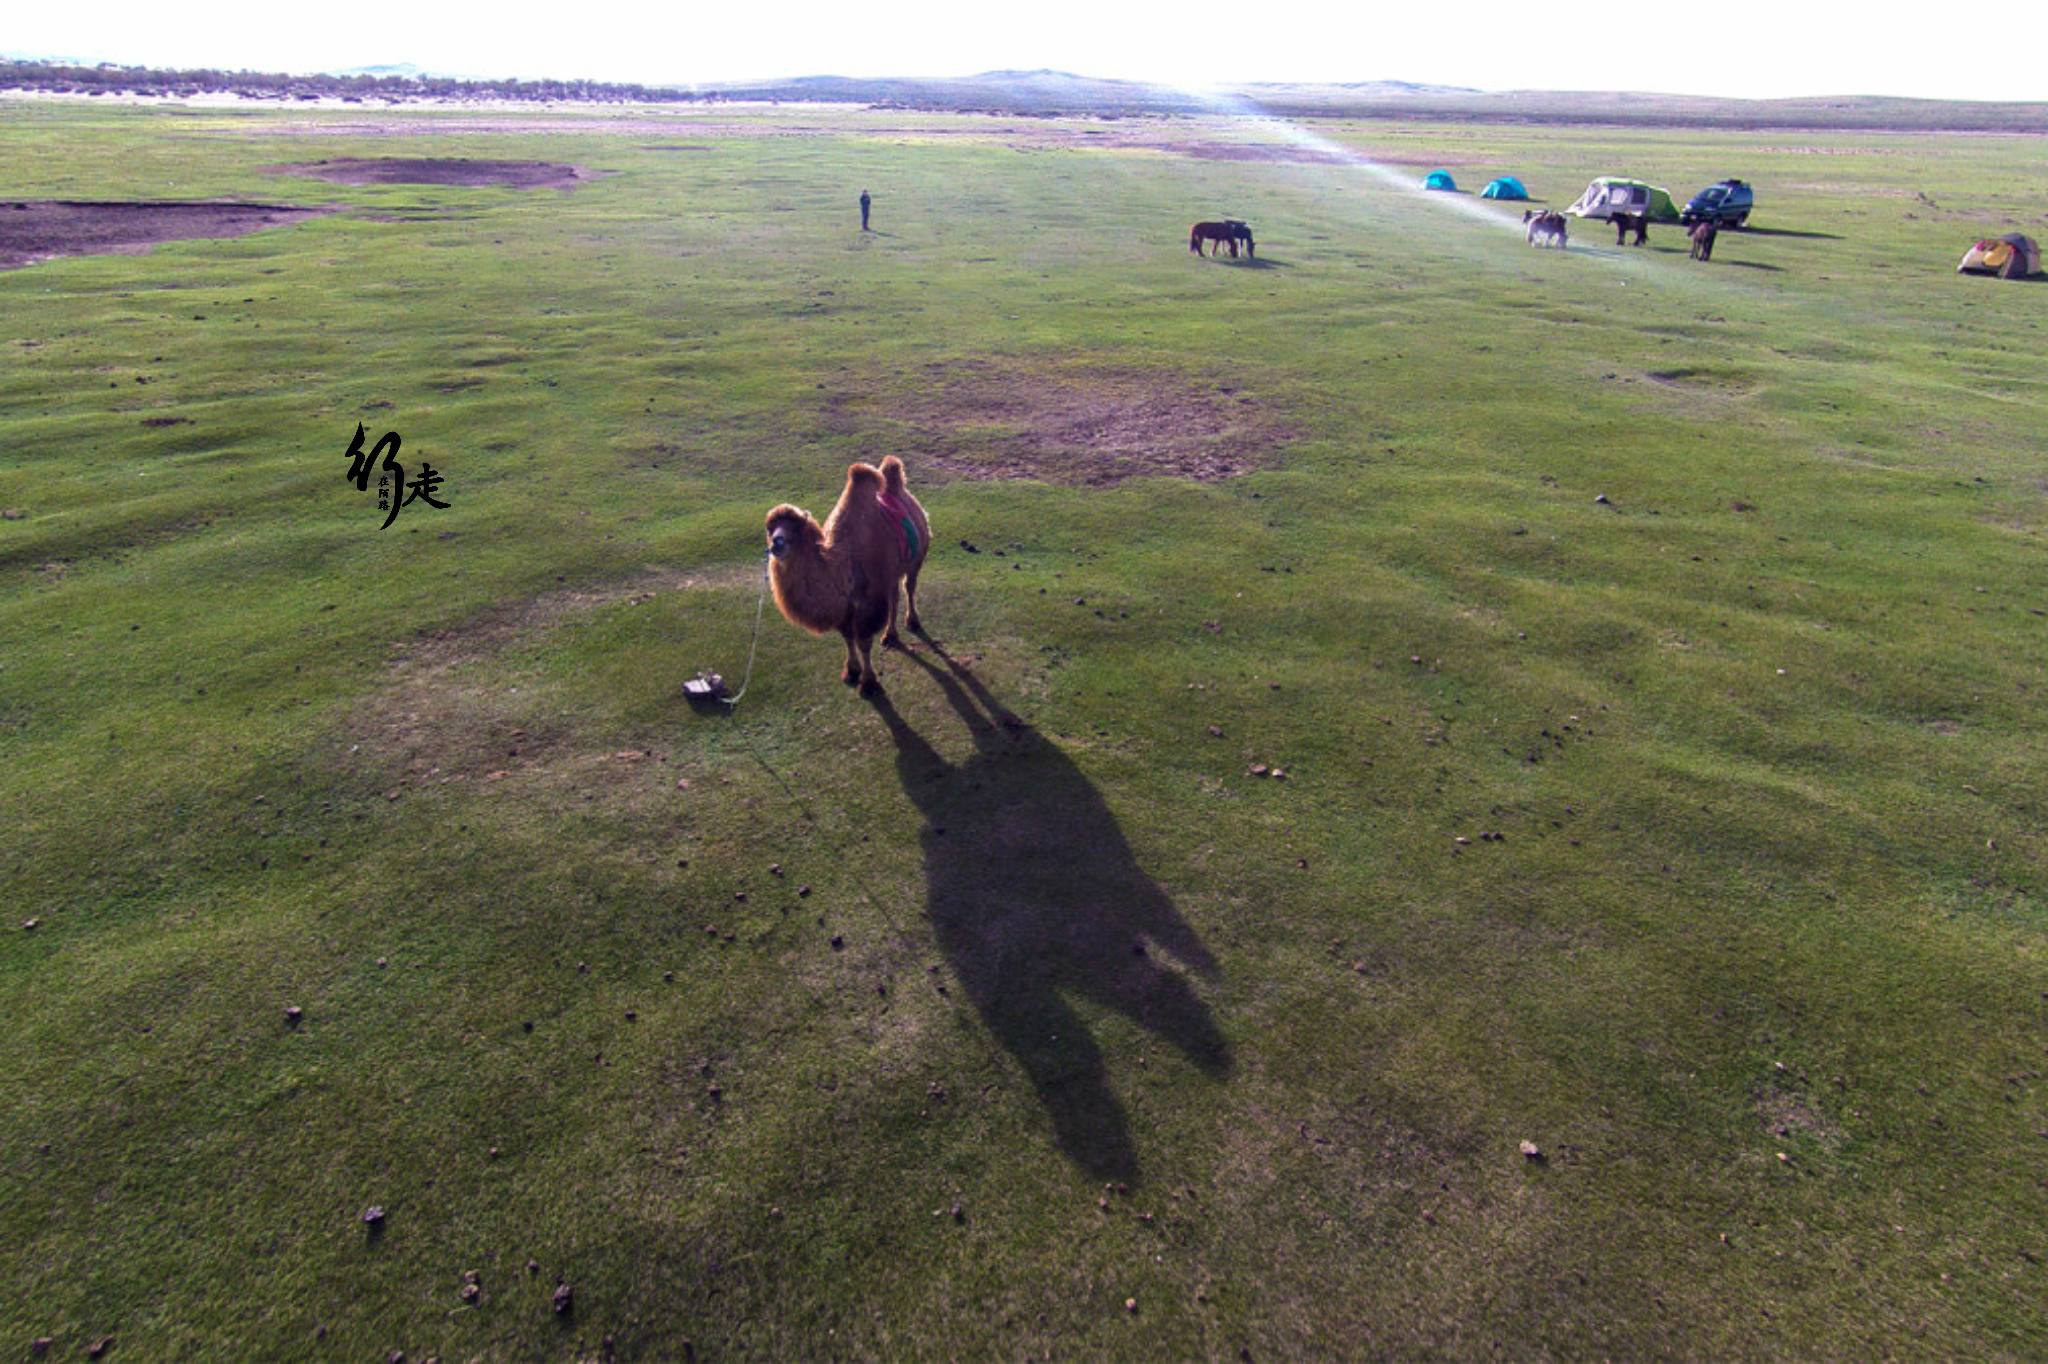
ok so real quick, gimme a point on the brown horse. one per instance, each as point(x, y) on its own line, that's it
point(1544, 229)
point(1220, 234)
point(1703, 235)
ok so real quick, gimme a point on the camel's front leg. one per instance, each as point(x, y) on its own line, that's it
point(870, 685)
point(851, 673)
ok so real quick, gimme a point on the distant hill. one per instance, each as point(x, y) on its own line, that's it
point(1622, 107)
point(403, 70)
point(1062, 92)
point(1009, 92)
point(1050, 93)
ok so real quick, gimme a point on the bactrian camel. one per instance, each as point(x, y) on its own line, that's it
point(845, 575)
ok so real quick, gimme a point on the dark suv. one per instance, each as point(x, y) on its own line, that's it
point(1724, 205)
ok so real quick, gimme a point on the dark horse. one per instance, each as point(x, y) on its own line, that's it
point(1241, 232)
point(1220, 234)
point(1624, 223)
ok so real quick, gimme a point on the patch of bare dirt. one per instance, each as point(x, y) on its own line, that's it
point(1843, 151)
point(1252, 151)
point(433, 170)
point(1390, 156)
point(1701, 380)
point(978, 419)
point(38, 230)
point(1791, 1115)
point(518, 125)
point(441, 720)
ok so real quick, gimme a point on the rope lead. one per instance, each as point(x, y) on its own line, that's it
point(759, 606)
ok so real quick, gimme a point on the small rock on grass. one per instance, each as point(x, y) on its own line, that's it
point(1532, 1151)
point(565, 1300)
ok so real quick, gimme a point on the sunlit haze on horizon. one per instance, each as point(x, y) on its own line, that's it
point(1737, 49)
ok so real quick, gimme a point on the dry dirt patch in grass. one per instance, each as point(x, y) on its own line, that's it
point(1723, 383)
point(1787, 1114)
point(45, 229)
point(1254, 151)
point(443, 718)
point(520, 125)
point(979, 419)
point(429, 170)
point(1392, 156)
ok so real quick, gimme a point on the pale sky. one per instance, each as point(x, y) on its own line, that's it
point(1738, 48)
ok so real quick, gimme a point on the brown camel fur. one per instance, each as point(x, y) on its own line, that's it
point(845, 575)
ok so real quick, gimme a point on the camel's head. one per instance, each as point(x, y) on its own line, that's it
point(790, 527)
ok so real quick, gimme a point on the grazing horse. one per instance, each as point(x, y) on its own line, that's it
point(1544, 229)
point(1703, 235)
point(1639, 221)
point(1241, 232)
point(1219, 234)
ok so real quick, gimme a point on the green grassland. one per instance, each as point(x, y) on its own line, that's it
point(1693, 835)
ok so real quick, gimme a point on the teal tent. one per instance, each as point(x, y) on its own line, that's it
point(1440, 180)
point(1507, 187)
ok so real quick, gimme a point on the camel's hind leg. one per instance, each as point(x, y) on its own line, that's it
point(910, 595)
point(890, 639)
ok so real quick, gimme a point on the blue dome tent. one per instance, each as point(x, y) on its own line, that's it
point(1507, 187)
point(1439, 179)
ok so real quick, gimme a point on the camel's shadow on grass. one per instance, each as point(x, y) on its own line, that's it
point(1035, 897)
